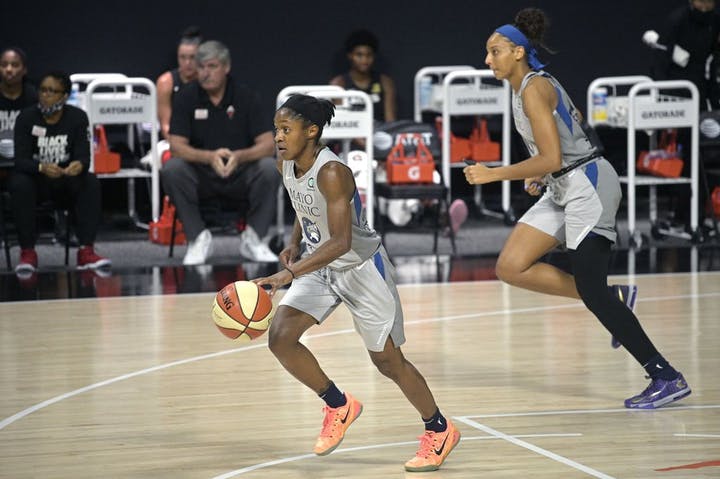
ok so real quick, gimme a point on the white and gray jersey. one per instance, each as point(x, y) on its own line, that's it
point(584, 200)
point(311, 210)
point(575, 143)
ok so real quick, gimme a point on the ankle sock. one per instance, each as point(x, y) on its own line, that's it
point(659, 368)
point(333, 397)
point(436, 423)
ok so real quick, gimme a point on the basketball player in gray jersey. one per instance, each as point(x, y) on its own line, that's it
point(343, 262)
point(577, 210)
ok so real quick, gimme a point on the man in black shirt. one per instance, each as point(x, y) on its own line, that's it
point(221, 146)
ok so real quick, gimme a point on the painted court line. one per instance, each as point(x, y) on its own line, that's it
point(16, 417)
point(302, 457)
point(711, 436)
point(534, 448)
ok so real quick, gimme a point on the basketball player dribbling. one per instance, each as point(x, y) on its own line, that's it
point(578, 208)
point(344, 262)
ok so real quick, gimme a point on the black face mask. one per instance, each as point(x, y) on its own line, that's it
point(704, 18)
point(52, 109)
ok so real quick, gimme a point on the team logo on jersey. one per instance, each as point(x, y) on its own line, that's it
point(311, 183)
point(311, 230)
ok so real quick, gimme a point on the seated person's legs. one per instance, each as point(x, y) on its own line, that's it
point(258, 182)
point(86, 203)
point(182, 182)
point(23, 200)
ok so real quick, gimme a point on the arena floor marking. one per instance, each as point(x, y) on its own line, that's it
point(41, 405)
point(285, 460)
point(543, 452)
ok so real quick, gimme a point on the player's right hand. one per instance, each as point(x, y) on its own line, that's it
point(289, 254)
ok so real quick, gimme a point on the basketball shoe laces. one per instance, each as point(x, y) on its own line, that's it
point(428, 444)
point(331, 421)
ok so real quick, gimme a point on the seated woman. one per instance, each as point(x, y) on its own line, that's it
point(172, 81)
point(52, 158)
point(361, 47)
point(16, 93)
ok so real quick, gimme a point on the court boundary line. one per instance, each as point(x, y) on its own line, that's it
point(275, 462)
point(536, 449)
point(48, 402)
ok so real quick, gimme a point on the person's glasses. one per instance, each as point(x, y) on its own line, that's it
point(49, 91)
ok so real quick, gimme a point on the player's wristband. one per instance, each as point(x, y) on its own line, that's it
point(291, 272)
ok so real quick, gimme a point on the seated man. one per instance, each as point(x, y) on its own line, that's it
point(52, 158)
point(221, 147)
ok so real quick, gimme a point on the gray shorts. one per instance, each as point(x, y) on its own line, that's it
point(584, 200)
point(369, 292)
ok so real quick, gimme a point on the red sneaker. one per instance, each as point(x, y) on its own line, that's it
point(28, 261)
point(87, 258)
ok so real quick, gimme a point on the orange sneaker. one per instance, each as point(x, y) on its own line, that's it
point(434, 448)
point(336, 422)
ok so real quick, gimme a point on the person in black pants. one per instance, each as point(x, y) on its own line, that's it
point(221, 147)
point(52, 158)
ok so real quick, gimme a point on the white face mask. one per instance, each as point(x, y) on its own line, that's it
point(52, 109)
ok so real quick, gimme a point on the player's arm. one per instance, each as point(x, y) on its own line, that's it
point(335, 182)
point(390, 103)
point(539, 102)
point(164, 87)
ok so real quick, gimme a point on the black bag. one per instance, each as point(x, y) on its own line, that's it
point(386, 136)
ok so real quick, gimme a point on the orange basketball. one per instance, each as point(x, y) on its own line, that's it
point(242, 310)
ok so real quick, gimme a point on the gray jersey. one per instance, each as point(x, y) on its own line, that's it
point(311, 210)
point(575, 144)
point(583, 201)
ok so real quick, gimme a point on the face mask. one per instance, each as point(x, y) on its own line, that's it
point(52, 109)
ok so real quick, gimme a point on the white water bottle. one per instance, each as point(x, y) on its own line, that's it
point(74, 98)
point(425, 92)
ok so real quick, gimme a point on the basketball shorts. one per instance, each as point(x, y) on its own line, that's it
point(584, 201)
point(368, 291)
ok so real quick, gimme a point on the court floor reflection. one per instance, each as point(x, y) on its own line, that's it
point(66, 283)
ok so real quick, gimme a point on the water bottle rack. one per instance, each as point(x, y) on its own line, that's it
point(449, 98)
point(646, 108)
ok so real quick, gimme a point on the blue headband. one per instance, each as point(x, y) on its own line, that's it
point(519, 39)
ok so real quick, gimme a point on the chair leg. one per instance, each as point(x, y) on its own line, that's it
point(3, 233)
point(436, 229)
point(66, 213)
point(450, 229)
point(171, 250)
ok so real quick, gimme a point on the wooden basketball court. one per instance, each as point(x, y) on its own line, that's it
point(146, 387)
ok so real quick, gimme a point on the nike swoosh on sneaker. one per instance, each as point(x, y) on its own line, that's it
point(439, 451)
point(347, 413)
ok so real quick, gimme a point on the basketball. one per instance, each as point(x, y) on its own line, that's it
point(242, 311)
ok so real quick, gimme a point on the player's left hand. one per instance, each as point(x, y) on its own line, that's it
point(478, 174)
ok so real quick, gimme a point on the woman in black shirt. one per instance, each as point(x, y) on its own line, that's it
point(52, 159)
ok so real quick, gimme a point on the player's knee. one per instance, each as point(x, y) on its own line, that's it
point(506, 270)
point(387, 366)
point(280, 339)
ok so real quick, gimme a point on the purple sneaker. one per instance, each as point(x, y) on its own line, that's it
point(659, 393)
point(627, 294)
